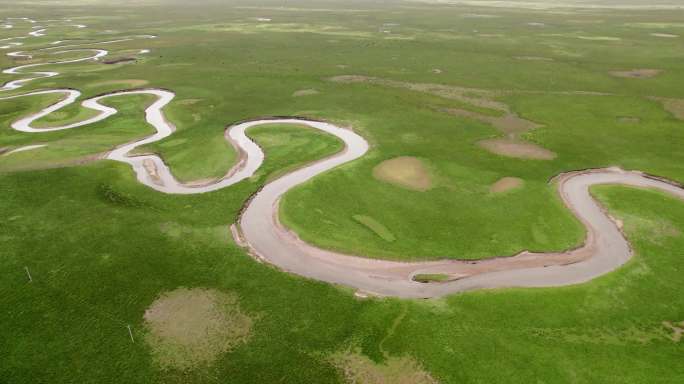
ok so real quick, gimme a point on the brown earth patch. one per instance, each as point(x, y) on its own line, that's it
point(514, 148)
point(305, 92)
point(405, 171)
point(637, 73)
point(359, 369)
point(192, 327)
point(506, 184)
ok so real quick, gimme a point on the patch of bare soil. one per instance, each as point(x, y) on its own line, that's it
point(305, 92)
point(514, 148)
point(677, 330)
point(628, 120)
point(192, 327)
point(506, 184)
point(359, 369)
point(405, 171)
point(637, 73)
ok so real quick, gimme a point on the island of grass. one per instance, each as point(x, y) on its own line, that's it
point(431, 277)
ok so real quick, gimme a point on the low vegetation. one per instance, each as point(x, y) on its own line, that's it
point(431, 278)
point(101, 249)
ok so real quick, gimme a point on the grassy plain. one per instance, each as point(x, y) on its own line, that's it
point(101, 247)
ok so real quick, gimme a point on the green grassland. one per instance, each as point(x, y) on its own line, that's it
point(102, 247)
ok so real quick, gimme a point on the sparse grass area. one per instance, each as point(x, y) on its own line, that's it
point(357, 368)
point(190, 328)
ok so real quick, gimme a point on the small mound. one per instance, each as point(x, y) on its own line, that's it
point(506, 184)
point(637, 73)
point(513, 148)
point(305, 92)
point(357, 368)
point(191, 327)
point(405, 171)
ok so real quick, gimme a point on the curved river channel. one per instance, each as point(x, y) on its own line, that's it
point(258, 229)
